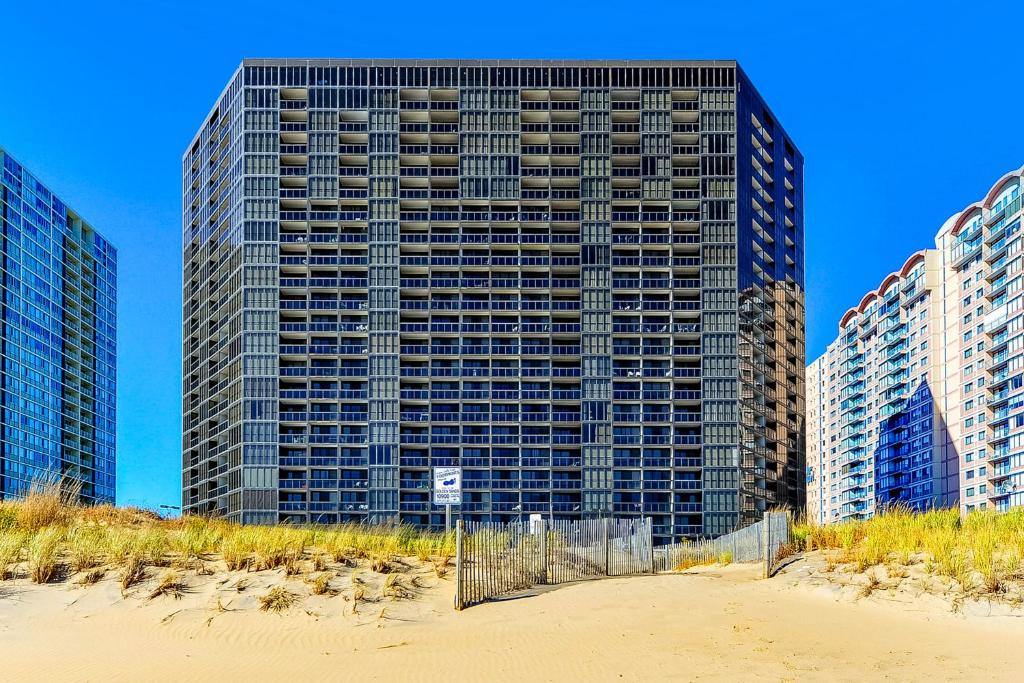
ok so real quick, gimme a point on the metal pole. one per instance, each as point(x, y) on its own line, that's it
point(447, 518)
point(458, 565)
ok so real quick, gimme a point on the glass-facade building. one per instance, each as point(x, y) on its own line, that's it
point(58, 336)
point(581, 282)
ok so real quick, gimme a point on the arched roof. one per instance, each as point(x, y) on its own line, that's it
point(846, 317)
point(914, 259)
point(887, 282)
point(908, 265)
point(964, 216)
point(986, 203)
point(998, 187)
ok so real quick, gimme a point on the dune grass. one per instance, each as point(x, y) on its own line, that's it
point(981, 551)
point(277, 599)
point(45, 535)
point(43, 553)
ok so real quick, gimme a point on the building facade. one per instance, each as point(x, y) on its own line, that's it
point(880, 438)
point(817, 384)
point(580, 282)
point(59, 343)
point(985, 360)
point(943, 335)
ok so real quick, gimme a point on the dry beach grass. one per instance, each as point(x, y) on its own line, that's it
point(45, 538)
point(203, 599)
point(980, 556)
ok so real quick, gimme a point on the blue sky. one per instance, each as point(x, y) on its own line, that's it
point(905, 113)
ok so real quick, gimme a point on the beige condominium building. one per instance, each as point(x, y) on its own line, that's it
point(919, 399)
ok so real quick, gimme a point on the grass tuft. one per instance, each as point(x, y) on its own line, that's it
point(44, 554)
point(381, 564)
point(278, 600)
point(442, 565)
point(170, 584)
point(92, 576)
point(12, 543)
point(321, 584)
point(871, 586)
point(693, 561)
point(132, 572)
point(396, 588)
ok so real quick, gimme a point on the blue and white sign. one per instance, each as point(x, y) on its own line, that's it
point(447, 486)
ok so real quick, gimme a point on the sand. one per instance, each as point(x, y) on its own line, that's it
point(720, 623)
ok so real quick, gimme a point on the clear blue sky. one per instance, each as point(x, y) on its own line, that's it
point(905, 113)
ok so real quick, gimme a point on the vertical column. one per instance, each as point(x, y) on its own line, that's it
point(476, 187)
point(317, 259)
point(656, 281)
point(383, 384)
point(596, 304)
point(105, 340)
point(258, 225)
point(719, 325)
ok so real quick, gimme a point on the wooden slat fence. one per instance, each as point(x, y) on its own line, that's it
point(498, 559)
point(758, 542)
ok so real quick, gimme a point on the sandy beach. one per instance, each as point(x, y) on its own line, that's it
point(717, 623)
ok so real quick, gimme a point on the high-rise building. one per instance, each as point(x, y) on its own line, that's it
point(580, 282)
point(919, 395)
point(58, 333)
point(984, 404)
point(817, 438)
point(878, 435)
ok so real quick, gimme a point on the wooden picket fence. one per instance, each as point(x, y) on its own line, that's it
point(499, 559)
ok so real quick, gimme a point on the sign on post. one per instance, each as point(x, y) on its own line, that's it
point(447, 486)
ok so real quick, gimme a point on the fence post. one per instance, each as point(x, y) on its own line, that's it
point(766, 537)
point(607, 549)
point(458, 564)
point(650, 539)
point(543, 526)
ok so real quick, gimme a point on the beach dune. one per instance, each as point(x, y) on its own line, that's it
point(718, 623)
